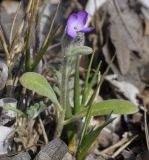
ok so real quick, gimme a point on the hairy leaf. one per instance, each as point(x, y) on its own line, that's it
point(79, 50)
point(37, 83)
point(115, 106)
point(35, 110)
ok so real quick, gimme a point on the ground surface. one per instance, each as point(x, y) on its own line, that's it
point(122, 28)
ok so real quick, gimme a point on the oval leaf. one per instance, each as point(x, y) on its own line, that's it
point(80, 50)
point(37, 83)
point(114, 106)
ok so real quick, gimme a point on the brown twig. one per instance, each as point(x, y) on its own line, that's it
point(43, 131)
point(123, 147)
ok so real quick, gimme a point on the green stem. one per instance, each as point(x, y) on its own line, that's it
point(77, 88)
point(27, 60)
point(74, 118)
point(59, 127)
point(64, 89)
point(64, 84)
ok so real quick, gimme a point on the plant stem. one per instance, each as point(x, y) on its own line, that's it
point(67, 45)
point(64, 88)
point(64, 84)
point(74, 118)
point(59, 127)
point(77, 87)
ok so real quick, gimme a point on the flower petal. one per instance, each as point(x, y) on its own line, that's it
point(71, 32)
point(87, 29)
point(82, 17)
point(72, 20)
point(71, 23)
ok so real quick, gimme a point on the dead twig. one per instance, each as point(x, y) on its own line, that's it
point(123, 147)
point(43, 131)
point(112, 148)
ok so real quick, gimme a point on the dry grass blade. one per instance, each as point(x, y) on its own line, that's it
point(112, 148)
point(52, 23)
point(33, 10)
point(4, 44)
point(43, 131)
point(45, 43)
point(43, 9)
point(29, 7)
point(14, 21)
point(123, 147)
point(22, 23)
point(28, 37)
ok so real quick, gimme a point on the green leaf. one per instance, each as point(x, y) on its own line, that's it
point(86, 124)
point(48, 40)
point(89, 140)
point(92, 98)
point(35, 110)
point(17, 111)
point(87, 78)
point(37, 83)
point(79, 50)
point(114, 106)
point(89, 86)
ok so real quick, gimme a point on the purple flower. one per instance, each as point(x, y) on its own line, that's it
point(76, 23)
